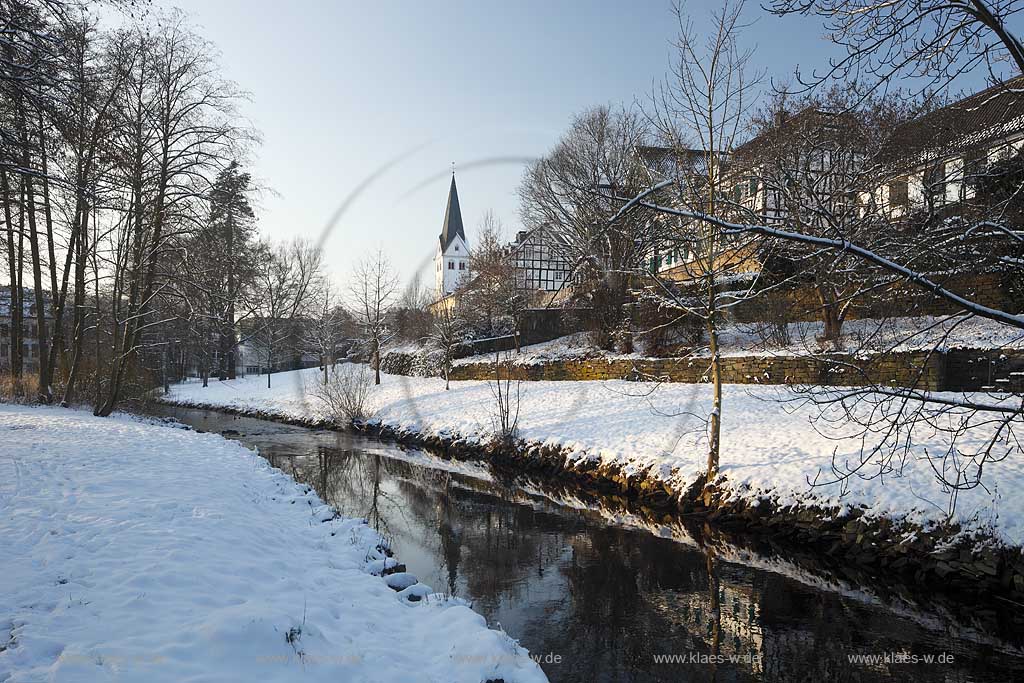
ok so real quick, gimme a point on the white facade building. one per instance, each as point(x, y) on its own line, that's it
point(451, 260)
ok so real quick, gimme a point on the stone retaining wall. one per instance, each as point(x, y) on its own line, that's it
point(962, 370)
point(996, 290)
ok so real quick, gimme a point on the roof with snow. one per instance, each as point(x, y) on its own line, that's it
point(963, 126)
point(452, 219)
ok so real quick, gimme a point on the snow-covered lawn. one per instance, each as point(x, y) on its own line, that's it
point(140, 552)
point(765, 446)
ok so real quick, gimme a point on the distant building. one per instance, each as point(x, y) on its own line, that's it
point(29, 343)
point(451, 261)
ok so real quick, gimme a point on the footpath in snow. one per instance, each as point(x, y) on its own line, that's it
point(132, 551)
point(768, 450)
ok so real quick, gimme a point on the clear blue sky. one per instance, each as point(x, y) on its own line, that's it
point(341, 88)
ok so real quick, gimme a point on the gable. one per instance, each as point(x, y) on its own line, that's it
point(456, 248)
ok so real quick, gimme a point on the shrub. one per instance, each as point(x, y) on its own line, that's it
point(506, 393)
point(345, 395)
point(14, 389)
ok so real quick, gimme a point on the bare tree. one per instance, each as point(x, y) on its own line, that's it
point(411, 319)
point(572, 190)
point(325, 327)
point(700, 113)
point(507, 395)
point(814, 160)
point(944, 228)
point(111, 141)
point(490, 303)
point(373, 289)
point(934, 40)
point(449, 333)
point(178, 124)
point(285, 284)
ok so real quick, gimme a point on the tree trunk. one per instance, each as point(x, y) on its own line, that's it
point(163, 372)
point(376, 360)
point(56, 303)
point(78, 315)
point(43, 389)
point(232, 340)
point(831, 314)
point(715, 422)
point(12, 264)
point(270, 357)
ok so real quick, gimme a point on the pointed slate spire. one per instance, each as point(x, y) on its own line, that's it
point(452, 218)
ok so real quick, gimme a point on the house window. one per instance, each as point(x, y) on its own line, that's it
point(935, 182)
point(975, 162)
point(898, 194)
point(975, 167)
point(462, 265)
point(456, 247)
point(451, 265)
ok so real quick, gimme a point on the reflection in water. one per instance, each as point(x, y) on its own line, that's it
point(612, 602)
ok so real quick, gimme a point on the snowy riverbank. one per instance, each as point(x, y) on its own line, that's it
point(769, 451)
point(133, 551)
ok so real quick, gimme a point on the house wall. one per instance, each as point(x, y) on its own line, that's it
point(538, 262)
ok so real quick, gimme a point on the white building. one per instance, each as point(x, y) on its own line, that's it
point(451, 261)
point(945, 153)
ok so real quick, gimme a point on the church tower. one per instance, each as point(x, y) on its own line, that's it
point(451, 262)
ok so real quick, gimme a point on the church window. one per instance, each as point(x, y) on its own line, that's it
point(451, 265)
point(462, 265)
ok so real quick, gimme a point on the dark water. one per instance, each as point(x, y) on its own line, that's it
point(609, 597)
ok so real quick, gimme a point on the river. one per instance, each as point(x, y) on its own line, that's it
point(597, 593)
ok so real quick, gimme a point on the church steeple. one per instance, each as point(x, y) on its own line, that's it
point(452, 218)
point(451, 262)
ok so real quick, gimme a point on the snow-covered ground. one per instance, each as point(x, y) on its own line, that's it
point(768, 449)
point(132, 551)
point(745, 339)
